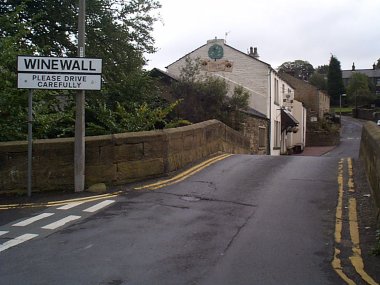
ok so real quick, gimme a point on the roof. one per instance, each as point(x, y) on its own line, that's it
point(156, 72)
point(369, 72)
point(243, 53)
point(293, 81)
point(253, 112)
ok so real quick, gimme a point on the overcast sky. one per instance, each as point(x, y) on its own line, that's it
point(282, 30)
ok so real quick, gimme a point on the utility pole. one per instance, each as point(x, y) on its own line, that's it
point(79, 145)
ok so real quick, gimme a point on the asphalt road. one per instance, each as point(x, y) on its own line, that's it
point(243, 220)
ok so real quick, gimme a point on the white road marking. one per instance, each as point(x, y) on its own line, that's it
point(70, 205)
point(16, 241)
point(99, 206)
point(3, 232)
point(32, 220)
point(61, 222)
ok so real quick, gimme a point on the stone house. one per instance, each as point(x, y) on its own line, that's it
point(372, 73)
point(316, 101)
point(265, 86)
point(255, 125)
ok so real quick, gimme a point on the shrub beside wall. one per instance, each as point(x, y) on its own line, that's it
point(116, 159)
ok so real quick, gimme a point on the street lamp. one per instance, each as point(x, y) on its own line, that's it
point(340, 107)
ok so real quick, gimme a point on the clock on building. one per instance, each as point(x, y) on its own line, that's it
point(215, 51)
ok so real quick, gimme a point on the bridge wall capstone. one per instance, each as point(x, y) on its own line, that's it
point(370, 156)
point(115, 159)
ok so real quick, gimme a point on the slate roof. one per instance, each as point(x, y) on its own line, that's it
point(372, 73)
point(253, 112)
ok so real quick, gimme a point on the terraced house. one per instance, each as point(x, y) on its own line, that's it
point(270, 95)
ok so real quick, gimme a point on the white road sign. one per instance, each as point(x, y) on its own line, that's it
point(59, 81)
point(59, 73)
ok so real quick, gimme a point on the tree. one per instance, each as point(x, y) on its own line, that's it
point(299, 68)
point(318, 80)
point(206, 97)
point(319, 77)
point(117, 31)
point(322, 69)
point(378, 64)
point(359, 91)
point(335, 85)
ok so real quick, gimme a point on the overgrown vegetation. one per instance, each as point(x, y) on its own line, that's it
point(360, 90)
point(328, 124)
point(119, 32)
point(206, 97)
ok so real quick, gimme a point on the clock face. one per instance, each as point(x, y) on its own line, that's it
point(215, 51)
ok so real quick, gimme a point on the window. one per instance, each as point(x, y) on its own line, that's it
point(262, 137)
point(276, 92)
point(277, 134)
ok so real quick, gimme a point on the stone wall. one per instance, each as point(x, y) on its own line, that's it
point(116, 159)
point(370, 156)
point(322, 138)
point(251, 128)
point(366, 114)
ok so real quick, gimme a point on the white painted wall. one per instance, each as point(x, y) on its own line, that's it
point(248, 72)
point(255, 76)
point(299, 112)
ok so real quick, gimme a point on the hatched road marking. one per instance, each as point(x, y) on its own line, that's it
point(61, 222)
point(99, 206)
point(16, 241)
point(32, 220)
point(70, 205)
point(51, 226)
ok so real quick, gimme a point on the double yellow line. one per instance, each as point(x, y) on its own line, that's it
point(182, 176)
point(352, 216)
point(61, 202)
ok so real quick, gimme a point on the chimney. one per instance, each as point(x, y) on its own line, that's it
point(353, 66)
point(253, 52)
point(374, 66)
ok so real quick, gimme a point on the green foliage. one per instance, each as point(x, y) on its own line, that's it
point(299, 68)
point(335, 85)
point(117, 31)
point(13, 102)
point(54, 114)
point(322, 69)
point(206, 97)
point(190, 71)
point(324, 125)
point(359, 90)
point(318, 80)
point(143, 118)
point(378, 64)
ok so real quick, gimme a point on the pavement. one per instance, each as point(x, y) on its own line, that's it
point(316, 150)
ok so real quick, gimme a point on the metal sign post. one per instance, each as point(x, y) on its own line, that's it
point(63, 73)
point(30, 141)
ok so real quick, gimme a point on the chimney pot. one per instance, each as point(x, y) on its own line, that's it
point(253, 52)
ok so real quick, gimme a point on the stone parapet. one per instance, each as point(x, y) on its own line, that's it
point(370, 156)
point(115, 159)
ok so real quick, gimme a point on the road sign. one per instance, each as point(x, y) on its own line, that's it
point(59, 73)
